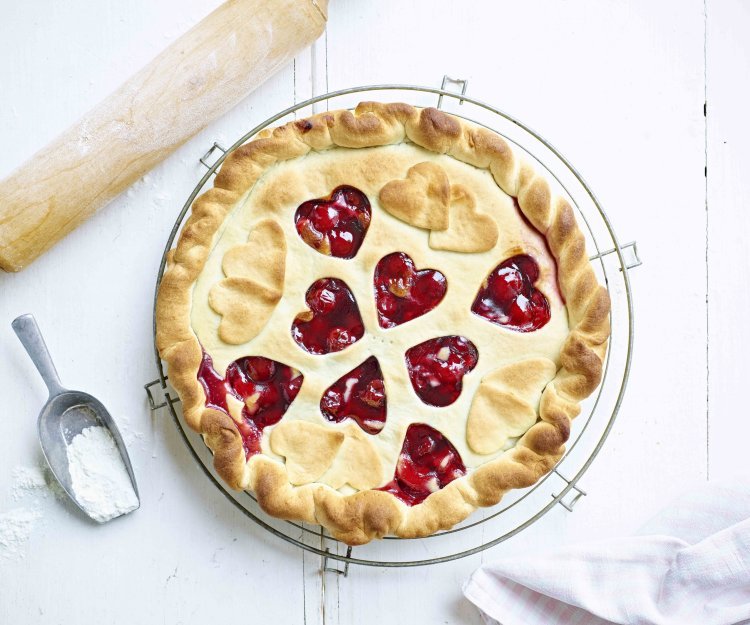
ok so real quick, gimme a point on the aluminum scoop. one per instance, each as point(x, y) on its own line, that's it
point(66, 413)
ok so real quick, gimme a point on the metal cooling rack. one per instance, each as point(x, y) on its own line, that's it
point(518, 509)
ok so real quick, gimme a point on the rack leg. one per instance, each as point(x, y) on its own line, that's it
point(577, 493)
point(456, 81)
point(335, 569)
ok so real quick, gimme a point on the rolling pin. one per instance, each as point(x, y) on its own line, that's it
point(200, 76)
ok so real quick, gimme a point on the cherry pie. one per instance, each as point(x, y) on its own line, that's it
point(380, 320)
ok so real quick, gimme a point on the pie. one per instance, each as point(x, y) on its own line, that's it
point(381, 320)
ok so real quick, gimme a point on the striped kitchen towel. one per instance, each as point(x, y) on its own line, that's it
point(690, 565)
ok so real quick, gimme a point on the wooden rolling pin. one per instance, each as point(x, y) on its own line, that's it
point(199, 77)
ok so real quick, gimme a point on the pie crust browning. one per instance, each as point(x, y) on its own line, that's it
point(505, 405)
point(360, 517)
point(469, 230)
point(309, 449)
point(423, 199)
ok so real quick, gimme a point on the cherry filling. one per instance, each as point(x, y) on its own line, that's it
point(508, 296)
point(403, 293)
point(437, 368)
point(266, 387)
point(427, 463)
point(336, 225)
point(542, 242)
point(358, 395)
point(333, 321)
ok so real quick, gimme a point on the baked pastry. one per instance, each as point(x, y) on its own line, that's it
point(380, 320)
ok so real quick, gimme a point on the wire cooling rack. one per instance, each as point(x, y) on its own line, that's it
point(518, 509)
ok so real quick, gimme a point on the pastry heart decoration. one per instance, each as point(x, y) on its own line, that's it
point(422, 199)
point(427, 199)
point(314, 452)
point(469, 230)
point(253, 285)
point(357, 463)
point(309, 448)
point(506, 403)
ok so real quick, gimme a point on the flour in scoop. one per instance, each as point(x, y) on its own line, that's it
point(100, 480)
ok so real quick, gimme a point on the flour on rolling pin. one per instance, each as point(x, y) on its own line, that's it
point(199, 77)
point(100, 480)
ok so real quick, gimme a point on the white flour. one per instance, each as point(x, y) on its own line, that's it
point(30, 488)
point(27, 480)
point(100, 479)
point(15, 529)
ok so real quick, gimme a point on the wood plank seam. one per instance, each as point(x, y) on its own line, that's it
point(705, 174)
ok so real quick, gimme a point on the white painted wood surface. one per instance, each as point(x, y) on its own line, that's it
point(617, 86)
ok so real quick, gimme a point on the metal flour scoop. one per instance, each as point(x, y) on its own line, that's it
point(65, 415)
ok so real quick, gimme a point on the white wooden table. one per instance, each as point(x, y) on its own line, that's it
point(618, 86)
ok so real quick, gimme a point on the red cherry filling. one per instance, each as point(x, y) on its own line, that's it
point(336, 225)
point(508, 296)
point(333, 321)
point(427, 463)
point(403, 293)
point(437, 368)
point(266, 387)
point(358, 395)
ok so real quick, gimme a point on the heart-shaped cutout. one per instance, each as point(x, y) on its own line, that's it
point(509, 298)
point(332, 322)
point(422, 199)
point(428, 462)
point(359, 395)
point(255, 391)
point(437, 368)
point(469, 230)
point(402, 293)
point(335, 225)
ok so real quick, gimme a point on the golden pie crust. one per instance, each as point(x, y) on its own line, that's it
point(442, 191)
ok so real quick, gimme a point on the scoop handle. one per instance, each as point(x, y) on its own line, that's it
point(31, 338)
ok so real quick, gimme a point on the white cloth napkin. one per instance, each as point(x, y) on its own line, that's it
point(690, 565)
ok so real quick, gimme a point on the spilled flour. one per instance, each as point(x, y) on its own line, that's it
point(100, 480)
point(38, 479)
point(15, 529)
point(31, 485)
